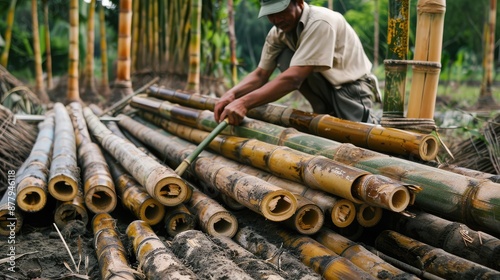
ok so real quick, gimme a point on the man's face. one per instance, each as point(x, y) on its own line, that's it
point(287, 19)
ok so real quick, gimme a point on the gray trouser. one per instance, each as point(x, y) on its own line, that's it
point(352, 101)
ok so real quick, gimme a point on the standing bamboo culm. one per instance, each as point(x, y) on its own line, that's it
point(48, 55)
point(99, 189)
point(134, 48)
point(73, 72)
point(39, 87)
point(161, 182)
point(8, 33)
point(111, 254)
point(90, 94)
point(32, 183)
point(156, 261)
point(193, 83)
point(104, 88)
point(64, 173)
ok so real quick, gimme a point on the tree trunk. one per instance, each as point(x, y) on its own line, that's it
point(48, 58)
point(8, 33)
point(73, 87)
point(39, 88)
point(486, 99)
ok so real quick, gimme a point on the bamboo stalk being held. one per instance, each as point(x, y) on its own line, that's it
point(64, 173)
point(178, 219)
point(195, 247)
point(160, 181)
point(431, 259)
point(68, 211)
point(308, 218)
point(11, 220)
point(133, 196)
point(32, 182)
point(213, 218)
point(111, 254)
point(156, 261)
point(99, 189)
point(360, 256)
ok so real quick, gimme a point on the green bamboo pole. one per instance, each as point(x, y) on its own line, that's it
point(48, 55)
point(160, 182)
point(32, 183)
point(8, 33)
point(449, 195)
point(431, 259)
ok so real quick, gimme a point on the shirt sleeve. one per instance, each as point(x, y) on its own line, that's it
point(271, 50)
point(316, 47)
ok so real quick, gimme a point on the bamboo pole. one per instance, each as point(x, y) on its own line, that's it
point(134, 48)
point(194, 246)
point(374, 137)
point(179, 219)
point(160, 182)
point(68, 211)
point(11, 220)
point(468, 200)
point(368, 216)
point(263, 248)
point(193, 82)
point(307, 219)
point(64, 173)
point(133, 196)
point(156, 261)
point(8, 33)
point(99, 188)
point(213, 218)
point(104, 88)
point(73, 72)
point(360, 256)
point(48, 55)
point(428, 44)
point(39, 87)
point(111, 254)
point(90, 92)
point(431, 259)
point(455, 238)
point(32, 183)
point(255, 267)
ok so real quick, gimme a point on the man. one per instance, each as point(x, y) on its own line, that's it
point(318, 54)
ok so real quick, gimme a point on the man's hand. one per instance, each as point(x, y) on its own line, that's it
point(227, 98)
point(234, 111)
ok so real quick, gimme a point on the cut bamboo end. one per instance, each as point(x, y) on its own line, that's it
point(368, 216)
point(308, 219)
point(102, 221)
point(100, 199)
point(151, 211)
point(63, 188)
point(428, 148)
point(32, 197)
point(278, 205)
point(222, 224)
point(9, 224)
point(381, 191)
point(69, 211)
point(179, 222)
point(343, 213)
point(171, 190)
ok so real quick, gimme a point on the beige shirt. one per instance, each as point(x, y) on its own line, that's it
point(324, 39)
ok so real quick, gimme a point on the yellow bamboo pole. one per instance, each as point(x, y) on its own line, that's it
point(308, 218)
point(156, 39)
point(8, 33)
point(156, 261)
point(368, 216)
point(104, 89)
point(32, 183)
point(160, 182)
point(193, 82)
point(428, 44)
point(111, 254)
point(39, 88)
point(68, 211)
point(134, 49)
point(90, 94)
point(48, 55)
point(73, 87)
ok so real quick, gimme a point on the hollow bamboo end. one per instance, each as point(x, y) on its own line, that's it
point(63, 188)
point(31, 199)
point(278, 206)
point(100, 199)
point(368, 216)
point(343, 213)
point(178, 223)
point(399, 199)
point(151, 211)
point(222, 224)
point(68, 212)
point(428, 148)
point(8, 223)
point(309, 219)
point(171, 191)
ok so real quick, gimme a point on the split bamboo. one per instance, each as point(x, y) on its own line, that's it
point(32, 183)
point(374, 137)
point(255, 267)
point(260, 196)
point(99, 189)
point(133, 196)
point(455, 238)
point(156, 261)
point(195, 247)
point(8, 33)
point(360, 256)
point(179, 219)
point(307, 219)
point(449, 195)
point(160, 181)
point(68, 211)
point(11, 221)
point(73, 72)
point(64, 173)
point(431, 259)
point(261, 247)
point(111, 254)
point(213, 218)
point(428, 44)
